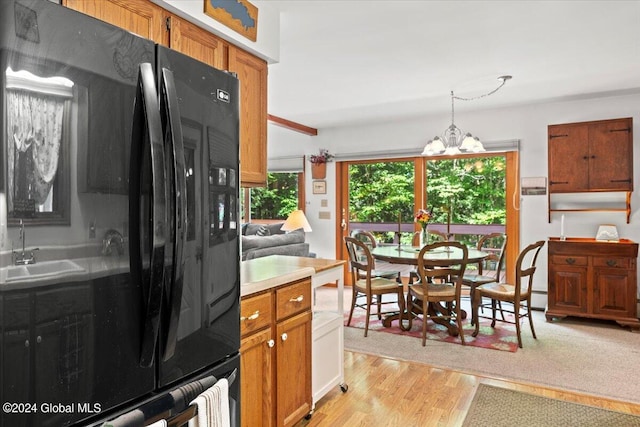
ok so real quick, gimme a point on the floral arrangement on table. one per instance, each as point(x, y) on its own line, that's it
point(323, 157)
point(422, 217)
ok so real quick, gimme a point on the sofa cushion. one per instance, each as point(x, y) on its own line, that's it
point(255, 241)
point(250, 229)
point(275, 228)
point(296, 249)
point(263, 231)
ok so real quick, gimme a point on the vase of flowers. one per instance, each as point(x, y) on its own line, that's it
point(422, 217)
point(319, 163)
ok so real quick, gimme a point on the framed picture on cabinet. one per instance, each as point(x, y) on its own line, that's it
point(320, 187)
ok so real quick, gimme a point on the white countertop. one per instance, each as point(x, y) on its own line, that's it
point(262, 273)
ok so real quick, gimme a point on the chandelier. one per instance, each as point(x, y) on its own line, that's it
point(453, 140)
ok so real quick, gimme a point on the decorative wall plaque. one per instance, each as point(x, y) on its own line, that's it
point(239, 15)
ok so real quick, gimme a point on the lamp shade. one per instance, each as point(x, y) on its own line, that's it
point(296, 220)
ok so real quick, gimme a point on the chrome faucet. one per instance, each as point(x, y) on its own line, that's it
point(23, 258)
point(112, 238)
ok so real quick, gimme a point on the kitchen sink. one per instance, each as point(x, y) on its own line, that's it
point(42, 270)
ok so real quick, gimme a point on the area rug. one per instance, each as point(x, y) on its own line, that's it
point(498, 338)
point(500, 407)
point(589, 356)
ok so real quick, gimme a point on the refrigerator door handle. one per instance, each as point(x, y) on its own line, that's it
point(170, 115)
point(146, 112)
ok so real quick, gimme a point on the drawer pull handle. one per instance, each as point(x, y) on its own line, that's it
point(284, 336)
point(571, 261)
point(271, 343)
point(300, 298)
point(254, 316)
point(611, 262)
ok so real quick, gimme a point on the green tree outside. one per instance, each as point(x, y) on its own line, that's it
point(278, 199)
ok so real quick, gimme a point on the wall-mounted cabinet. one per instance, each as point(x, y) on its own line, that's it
point(155, 23)
point(592, 156)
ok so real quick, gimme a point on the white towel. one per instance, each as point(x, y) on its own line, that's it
point(159, 423)
point(213, 406)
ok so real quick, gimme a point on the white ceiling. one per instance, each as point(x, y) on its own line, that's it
point(353, 62)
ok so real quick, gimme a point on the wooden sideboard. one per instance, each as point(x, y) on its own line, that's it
point(595, 279)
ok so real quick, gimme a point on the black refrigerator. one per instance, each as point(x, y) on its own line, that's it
point(119, 257)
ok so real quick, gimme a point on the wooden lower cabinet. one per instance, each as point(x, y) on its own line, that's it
point(275, 356)
point(588, 278)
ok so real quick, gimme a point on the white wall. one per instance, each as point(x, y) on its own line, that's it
point(527, 123)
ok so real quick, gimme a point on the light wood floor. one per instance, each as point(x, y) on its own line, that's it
point(387, 392)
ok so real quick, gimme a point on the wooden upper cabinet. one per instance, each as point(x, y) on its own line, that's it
point(611, 155)
point(140, 17)
point(252, 73)
point(591, 156)
point(193, 41)
point(150, 21)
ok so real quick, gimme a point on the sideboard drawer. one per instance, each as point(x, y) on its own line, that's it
point(611, 262)
point(293, 299)
point(569, 260)
point(255, 313)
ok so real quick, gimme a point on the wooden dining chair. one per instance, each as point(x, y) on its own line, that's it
point(433, 236)
point(438, 284)
point(517, 295)
point(368, 286)
point(369, 239)
point(484, 272)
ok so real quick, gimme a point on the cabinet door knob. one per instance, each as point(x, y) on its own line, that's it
point(284, 336)
point(300, 298)
point(271, 343)
point(26, 343)
point(38, 339)
point(571, 260)
point(254, 316)
point(611, 262)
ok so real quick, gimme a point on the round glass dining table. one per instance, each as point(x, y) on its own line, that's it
point(401, 254)
point(409, 255)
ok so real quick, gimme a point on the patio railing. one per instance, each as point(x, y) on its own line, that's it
point(386, 232)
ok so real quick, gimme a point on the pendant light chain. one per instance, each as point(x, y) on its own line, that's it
point(503, 80)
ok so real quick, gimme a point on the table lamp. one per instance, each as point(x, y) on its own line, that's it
point(607, 232)
point(295, 221)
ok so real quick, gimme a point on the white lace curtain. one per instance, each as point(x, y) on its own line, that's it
point(34, 124)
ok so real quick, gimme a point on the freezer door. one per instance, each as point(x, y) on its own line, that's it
point(174, 404)
point(208, 327)
point(71, 315)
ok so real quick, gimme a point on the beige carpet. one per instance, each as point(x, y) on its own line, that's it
point(494, 407)
point(588, 356)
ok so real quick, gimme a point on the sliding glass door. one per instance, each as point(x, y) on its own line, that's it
point(469, 195)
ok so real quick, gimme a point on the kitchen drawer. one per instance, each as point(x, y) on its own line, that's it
point(569, 260)
point(293, 299)
point(255, 313)
point(611, 262)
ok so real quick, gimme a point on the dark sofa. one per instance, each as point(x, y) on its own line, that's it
point(262, 240)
